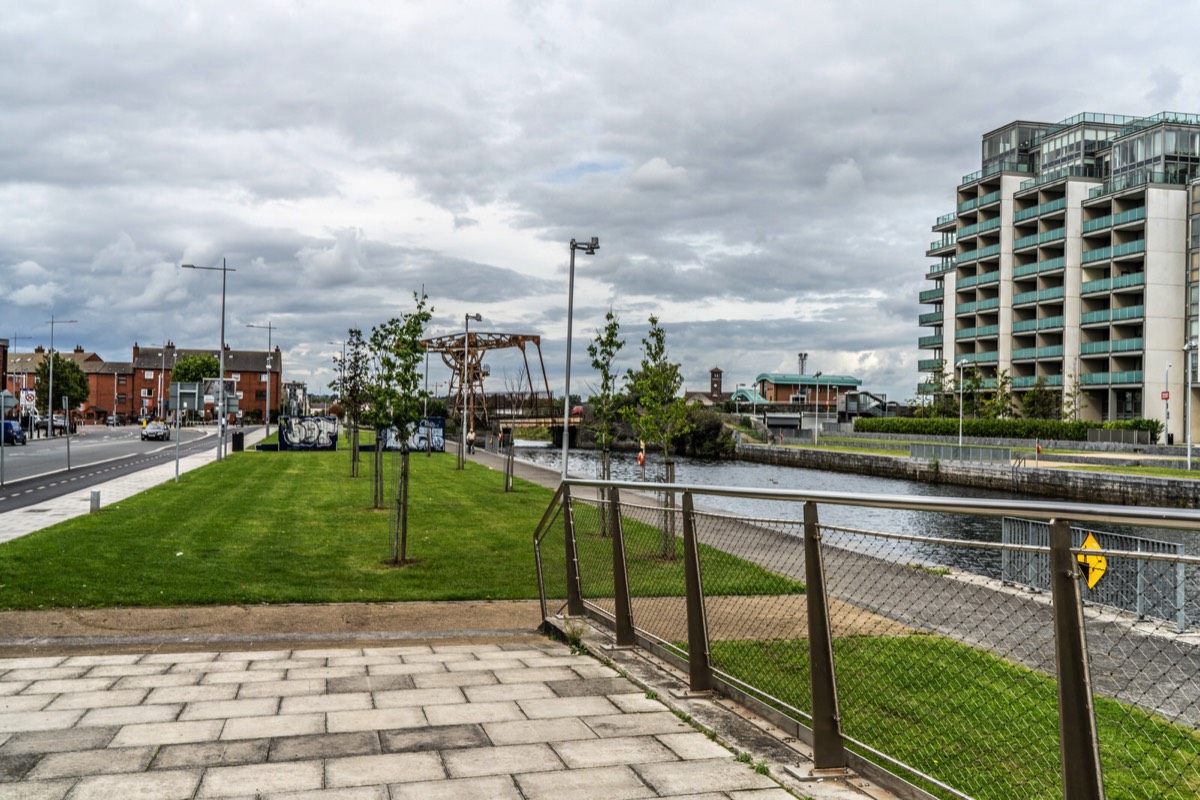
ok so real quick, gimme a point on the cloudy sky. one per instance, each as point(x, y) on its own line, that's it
point(762, 175)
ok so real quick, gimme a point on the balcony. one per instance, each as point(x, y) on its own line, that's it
point(932, 295)
point(979, 227)
point(1024, 354)
point(1092, 317)
point(945, 219)
point(1024, 298)
point(1132, 279)
point(1098, 285)
point(1136, 179)
point(1051, 351)
point(988, 304)
point(965, 308)
point(932, 318)
point(945, 265)
point(1132, 215)
point(1094, 348)
point(979, 280)
point(1131, 312)
point(1053, 293)
point(975, 255)
point(929, 364)
point(1052, 264)
point(1049, 323)
point(1044, 208)
point(973, 333)
point(926, 342)
point(1128, 345)
point(1025, 325)
point(1025, 269)
point(990, 357)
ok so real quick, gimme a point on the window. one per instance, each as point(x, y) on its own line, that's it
point(262, 378)
point(260, 396)
point(147, 392)
point(122, 399)
point(148, 374)
point(236, 376)
point(121, 380)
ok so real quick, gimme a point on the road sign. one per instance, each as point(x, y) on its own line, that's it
point(1166, 395)
point(8, 401)
point(28, 397)
point(1093, 565)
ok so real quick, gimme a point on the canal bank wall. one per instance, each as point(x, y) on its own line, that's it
point(1073, 485)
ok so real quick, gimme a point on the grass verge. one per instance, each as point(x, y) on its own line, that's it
point(970, 719)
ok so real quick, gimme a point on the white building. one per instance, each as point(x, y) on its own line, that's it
point(1067, 264)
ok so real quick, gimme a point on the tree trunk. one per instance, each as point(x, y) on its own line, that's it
point(377, 478)
point(353, 449)
point(400, 533)
point(668, 536)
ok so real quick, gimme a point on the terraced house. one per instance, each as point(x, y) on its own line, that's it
point(1070, 262)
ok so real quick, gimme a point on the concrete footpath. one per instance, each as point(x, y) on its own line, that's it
point(358, 701)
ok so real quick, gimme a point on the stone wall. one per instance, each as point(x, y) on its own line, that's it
point(1072, 485)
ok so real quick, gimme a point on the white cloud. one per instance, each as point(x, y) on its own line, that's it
point(657, 173)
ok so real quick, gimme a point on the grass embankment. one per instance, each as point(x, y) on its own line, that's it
point(937, 705)
point(295, 528)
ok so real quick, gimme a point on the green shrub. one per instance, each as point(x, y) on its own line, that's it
point(980, 428)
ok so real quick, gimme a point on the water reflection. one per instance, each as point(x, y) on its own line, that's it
point(964, 527)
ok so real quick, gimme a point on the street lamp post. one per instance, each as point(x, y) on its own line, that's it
point(1187, 399)
point(50, 389)
point(590, 249)
point(462, 386)
point(270, 329)
point(224, 270)
point(1167, 405)
point(817, 408)
point(961, 364)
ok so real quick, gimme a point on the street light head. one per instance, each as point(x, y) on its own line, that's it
point(962, 363)
point(818, 374)
point(476, 317)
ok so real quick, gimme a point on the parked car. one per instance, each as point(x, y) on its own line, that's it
point(14, 433)
point(156, 430)
point(60, 424)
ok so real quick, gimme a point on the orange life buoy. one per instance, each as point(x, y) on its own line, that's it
point(641, 459)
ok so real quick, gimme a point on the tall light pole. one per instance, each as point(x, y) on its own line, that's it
point(1166, 395)
point(50, 389)
point(270, 328)
point(1187, 399)
point(817, 406)
point(462, 387)
point(224, 270)
point(961, 364)
point(590, 249)
point(24, 375)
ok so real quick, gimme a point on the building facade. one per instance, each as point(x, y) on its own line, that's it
point(1067, 265)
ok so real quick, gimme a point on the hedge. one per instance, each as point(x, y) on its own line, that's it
point(1060, 430)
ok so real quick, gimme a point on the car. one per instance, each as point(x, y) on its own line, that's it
point(156, 430)
point(60, 424)
point(14, 433)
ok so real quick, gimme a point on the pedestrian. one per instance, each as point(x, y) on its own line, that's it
point(471, 441)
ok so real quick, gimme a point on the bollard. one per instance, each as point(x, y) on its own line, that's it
point(95, 501)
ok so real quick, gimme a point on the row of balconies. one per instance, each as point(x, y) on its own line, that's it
point(1113, 220)
point(1037, 211)
point(1115, 251)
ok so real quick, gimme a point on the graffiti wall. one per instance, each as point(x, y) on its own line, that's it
point(430, 432)
point(308, 433)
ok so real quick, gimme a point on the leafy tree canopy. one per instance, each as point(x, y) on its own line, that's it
point(195, 368)
point(69, 381)
point(661, 413)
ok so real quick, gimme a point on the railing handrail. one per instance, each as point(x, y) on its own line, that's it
point(1148, 516)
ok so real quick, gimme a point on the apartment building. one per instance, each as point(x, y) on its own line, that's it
point(1067, 264)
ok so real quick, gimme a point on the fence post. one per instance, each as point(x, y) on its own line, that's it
point(621, 602)
point(829, 752)
point(1078, 743)
point(699, 666)
point(574, 596)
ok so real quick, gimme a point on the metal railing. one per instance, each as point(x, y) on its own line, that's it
point(897, 654)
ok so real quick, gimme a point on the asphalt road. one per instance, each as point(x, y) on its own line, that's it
point(39, 470)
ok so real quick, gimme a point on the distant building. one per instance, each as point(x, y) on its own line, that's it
point(782, 388)
point(1067, 264)
point(715, 396)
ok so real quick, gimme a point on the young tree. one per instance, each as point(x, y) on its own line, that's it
point(352, 389)
point(395, 392)
point(603, 351)
point(1074, 399)
point(658, 414)
point(69, 382)
point(998, 404)
point(1041, 402)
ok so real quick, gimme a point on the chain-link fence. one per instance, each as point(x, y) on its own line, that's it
point(964, 684)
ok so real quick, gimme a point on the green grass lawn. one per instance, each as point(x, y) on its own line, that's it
point(974, 721)
point(293, 527)
point(284, 527)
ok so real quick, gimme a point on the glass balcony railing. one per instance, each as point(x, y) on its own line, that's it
point(1049, 323)
point(945, 218)
point(1136, 179)
point(925, 342)
point(979, 227)
point(1053, 293)
point(987, 199)
point(928, 364)
point(975, 255)
point(1037, 211)
point(990, 357)
point(1109, 221)
point(1040, 238)
point(1098, 285)
point(1057, 175)
point(932, 295)
point(1025, 325)
point(1051, 351)
point(1024, 354)
point(1129, 376)
point(1131, 312)
point(943, 266)
point(946, 241)
point(1132, 279)
point(965, 308)
point(979, 280)
point(1051, 264)
point(1093, 348)
point(1093, 378)
point(1024, 381)
point(992, 169)
point(932, 318)
point(1025, 269)
point(988, 304)
point(980, 332)
point(1127, 345)
point(1091, 317)
point(1024, 297)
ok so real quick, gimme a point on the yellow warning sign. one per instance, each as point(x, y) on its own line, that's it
point(1093, 566)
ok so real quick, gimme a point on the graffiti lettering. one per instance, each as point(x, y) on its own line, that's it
point(308, 433)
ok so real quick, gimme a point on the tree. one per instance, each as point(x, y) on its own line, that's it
point(998, 404)
point(603, 351)
point(1074, 399)
point(69, 382)
point(1041, 402)
point(658, 415)
point(351, 388)
point(941, 400)
point(394, 388)
point(195, 368)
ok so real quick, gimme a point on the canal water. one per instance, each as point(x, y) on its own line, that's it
point(964, 527)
